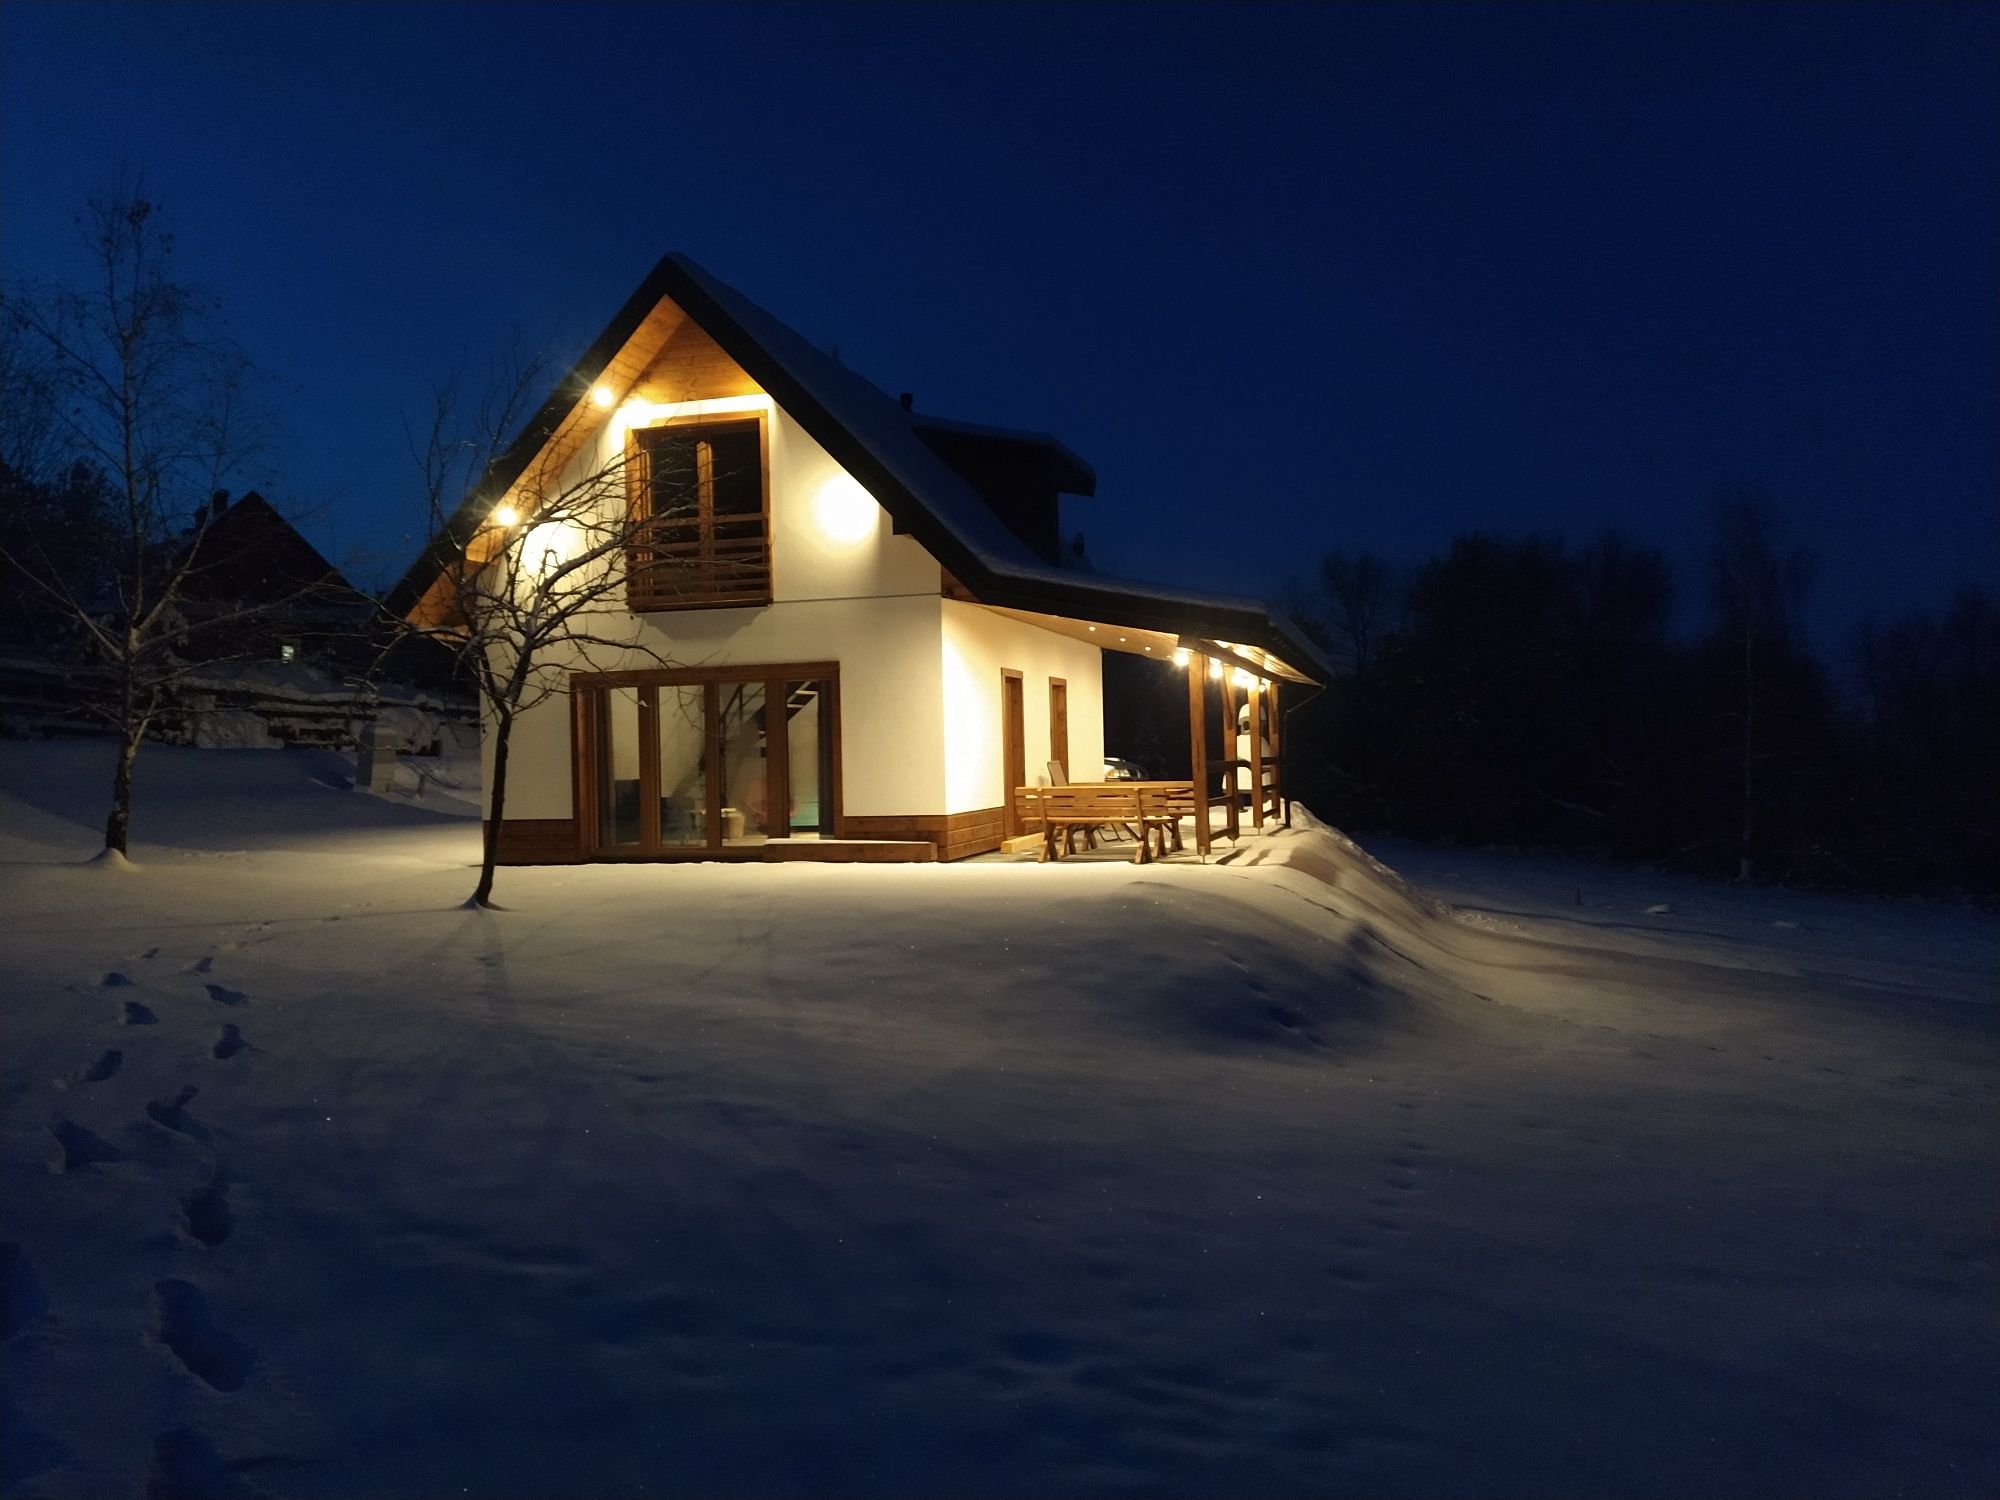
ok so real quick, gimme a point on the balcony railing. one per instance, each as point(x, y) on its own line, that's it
point(679, 563)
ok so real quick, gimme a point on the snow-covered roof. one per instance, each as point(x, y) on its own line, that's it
point(1072, 475)
point(871, 434)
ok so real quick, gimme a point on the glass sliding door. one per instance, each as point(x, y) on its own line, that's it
point(618, 769)
point(809, 757)
point(680, 718)
point(746, 790)
point(679, 763)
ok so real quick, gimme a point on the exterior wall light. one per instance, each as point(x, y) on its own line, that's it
point(1215, 668)
point(505, 515)
point(604, 396)
point(1182, 656)
point(845, 511)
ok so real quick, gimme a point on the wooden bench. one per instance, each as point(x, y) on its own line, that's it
point(1153, 808)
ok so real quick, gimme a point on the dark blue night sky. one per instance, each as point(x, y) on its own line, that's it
point(1367, 276)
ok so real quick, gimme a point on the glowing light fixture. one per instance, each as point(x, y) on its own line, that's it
point(1182, 656)
point(604, 396)
point(1214, 668)
point(846, 512)
point(505, 515)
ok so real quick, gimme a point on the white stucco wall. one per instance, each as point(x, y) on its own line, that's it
point(845, 589)
point(976, 645)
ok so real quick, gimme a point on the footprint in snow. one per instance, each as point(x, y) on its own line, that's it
point(77, 1147)
point(229, 1043)
point(132, 1013)
point(93, 1072)
point(182, 1322)
point(185, 1465)
point(202, 965)
point(172, 1113)
point(113, 981)
point(223, 995)
point(23, 1301)
point(205, 1213)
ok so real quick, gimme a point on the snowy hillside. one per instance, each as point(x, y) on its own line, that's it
point(1271, 1177)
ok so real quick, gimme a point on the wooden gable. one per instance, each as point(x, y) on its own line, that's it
point(667, 359)
point(692, 367)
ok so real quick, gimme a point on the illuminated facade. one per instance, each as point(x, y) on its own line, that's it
point(848, 630)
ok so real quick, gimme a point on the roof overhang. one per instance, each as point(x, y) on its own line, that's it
point(866, 431)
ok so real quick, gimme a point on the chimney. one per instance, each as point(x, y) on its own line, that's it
point(217, 504)
point(909, 400)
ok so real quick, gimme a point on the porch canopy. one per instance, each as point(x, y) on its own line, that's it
point(1240, 654)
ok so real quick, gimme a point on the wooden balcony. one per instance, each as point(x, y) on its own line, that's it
point(692, 564)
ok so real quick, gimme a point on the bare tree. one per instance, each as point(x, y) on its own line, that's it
point(533, 567)
point(1755, 588)
point(1361, 603)
point(133, 381)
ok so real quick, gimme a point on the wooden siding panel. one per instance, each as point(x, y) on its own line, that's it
point(538, 841)
point(692, 367)
point(954, 835)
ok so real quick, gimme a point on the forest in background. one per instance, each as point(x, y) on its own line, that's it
point(1523, 691)
point(1529, 692)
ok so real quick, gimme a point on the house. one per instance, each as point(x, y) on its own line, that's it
point(283, 650)
point(872, 636)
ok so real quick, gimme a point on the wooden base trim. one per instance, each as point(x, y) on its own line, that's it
point(953, 835)
point(970, 833)
point(921, 837)
point(537, 841)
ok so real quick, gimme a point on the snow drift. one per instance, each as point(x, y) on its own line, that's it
point(1275, 1176)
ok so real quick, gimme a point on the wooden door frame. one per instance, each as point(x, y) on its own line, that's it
point(1059, 745)
point(588, 692)
point(1012, 819)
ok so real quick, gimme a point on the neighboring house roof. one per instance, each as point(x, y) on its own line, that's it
point(870, 434)
point(249, 554)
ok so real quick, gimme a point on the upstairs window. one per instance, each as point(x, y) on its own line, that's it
point(700, 492)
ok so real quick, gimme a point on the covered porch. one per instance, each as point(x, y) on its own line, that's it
point(1236, 697)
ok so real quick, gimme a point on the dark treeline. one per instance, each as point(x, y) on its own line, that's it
point(1527, 692)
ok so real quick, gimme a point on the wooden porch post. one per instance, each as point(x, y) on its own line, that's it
point(1256, 755)
point(1230, 774)
point(1197, 676)
point(1278, 784)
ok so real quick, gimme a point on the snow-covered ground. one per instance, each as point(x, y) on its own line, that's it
point(1270, 1177)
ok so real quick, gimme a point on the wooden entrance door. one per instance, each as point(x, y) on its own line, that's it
point(1059, 725)
point(1013, 747)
